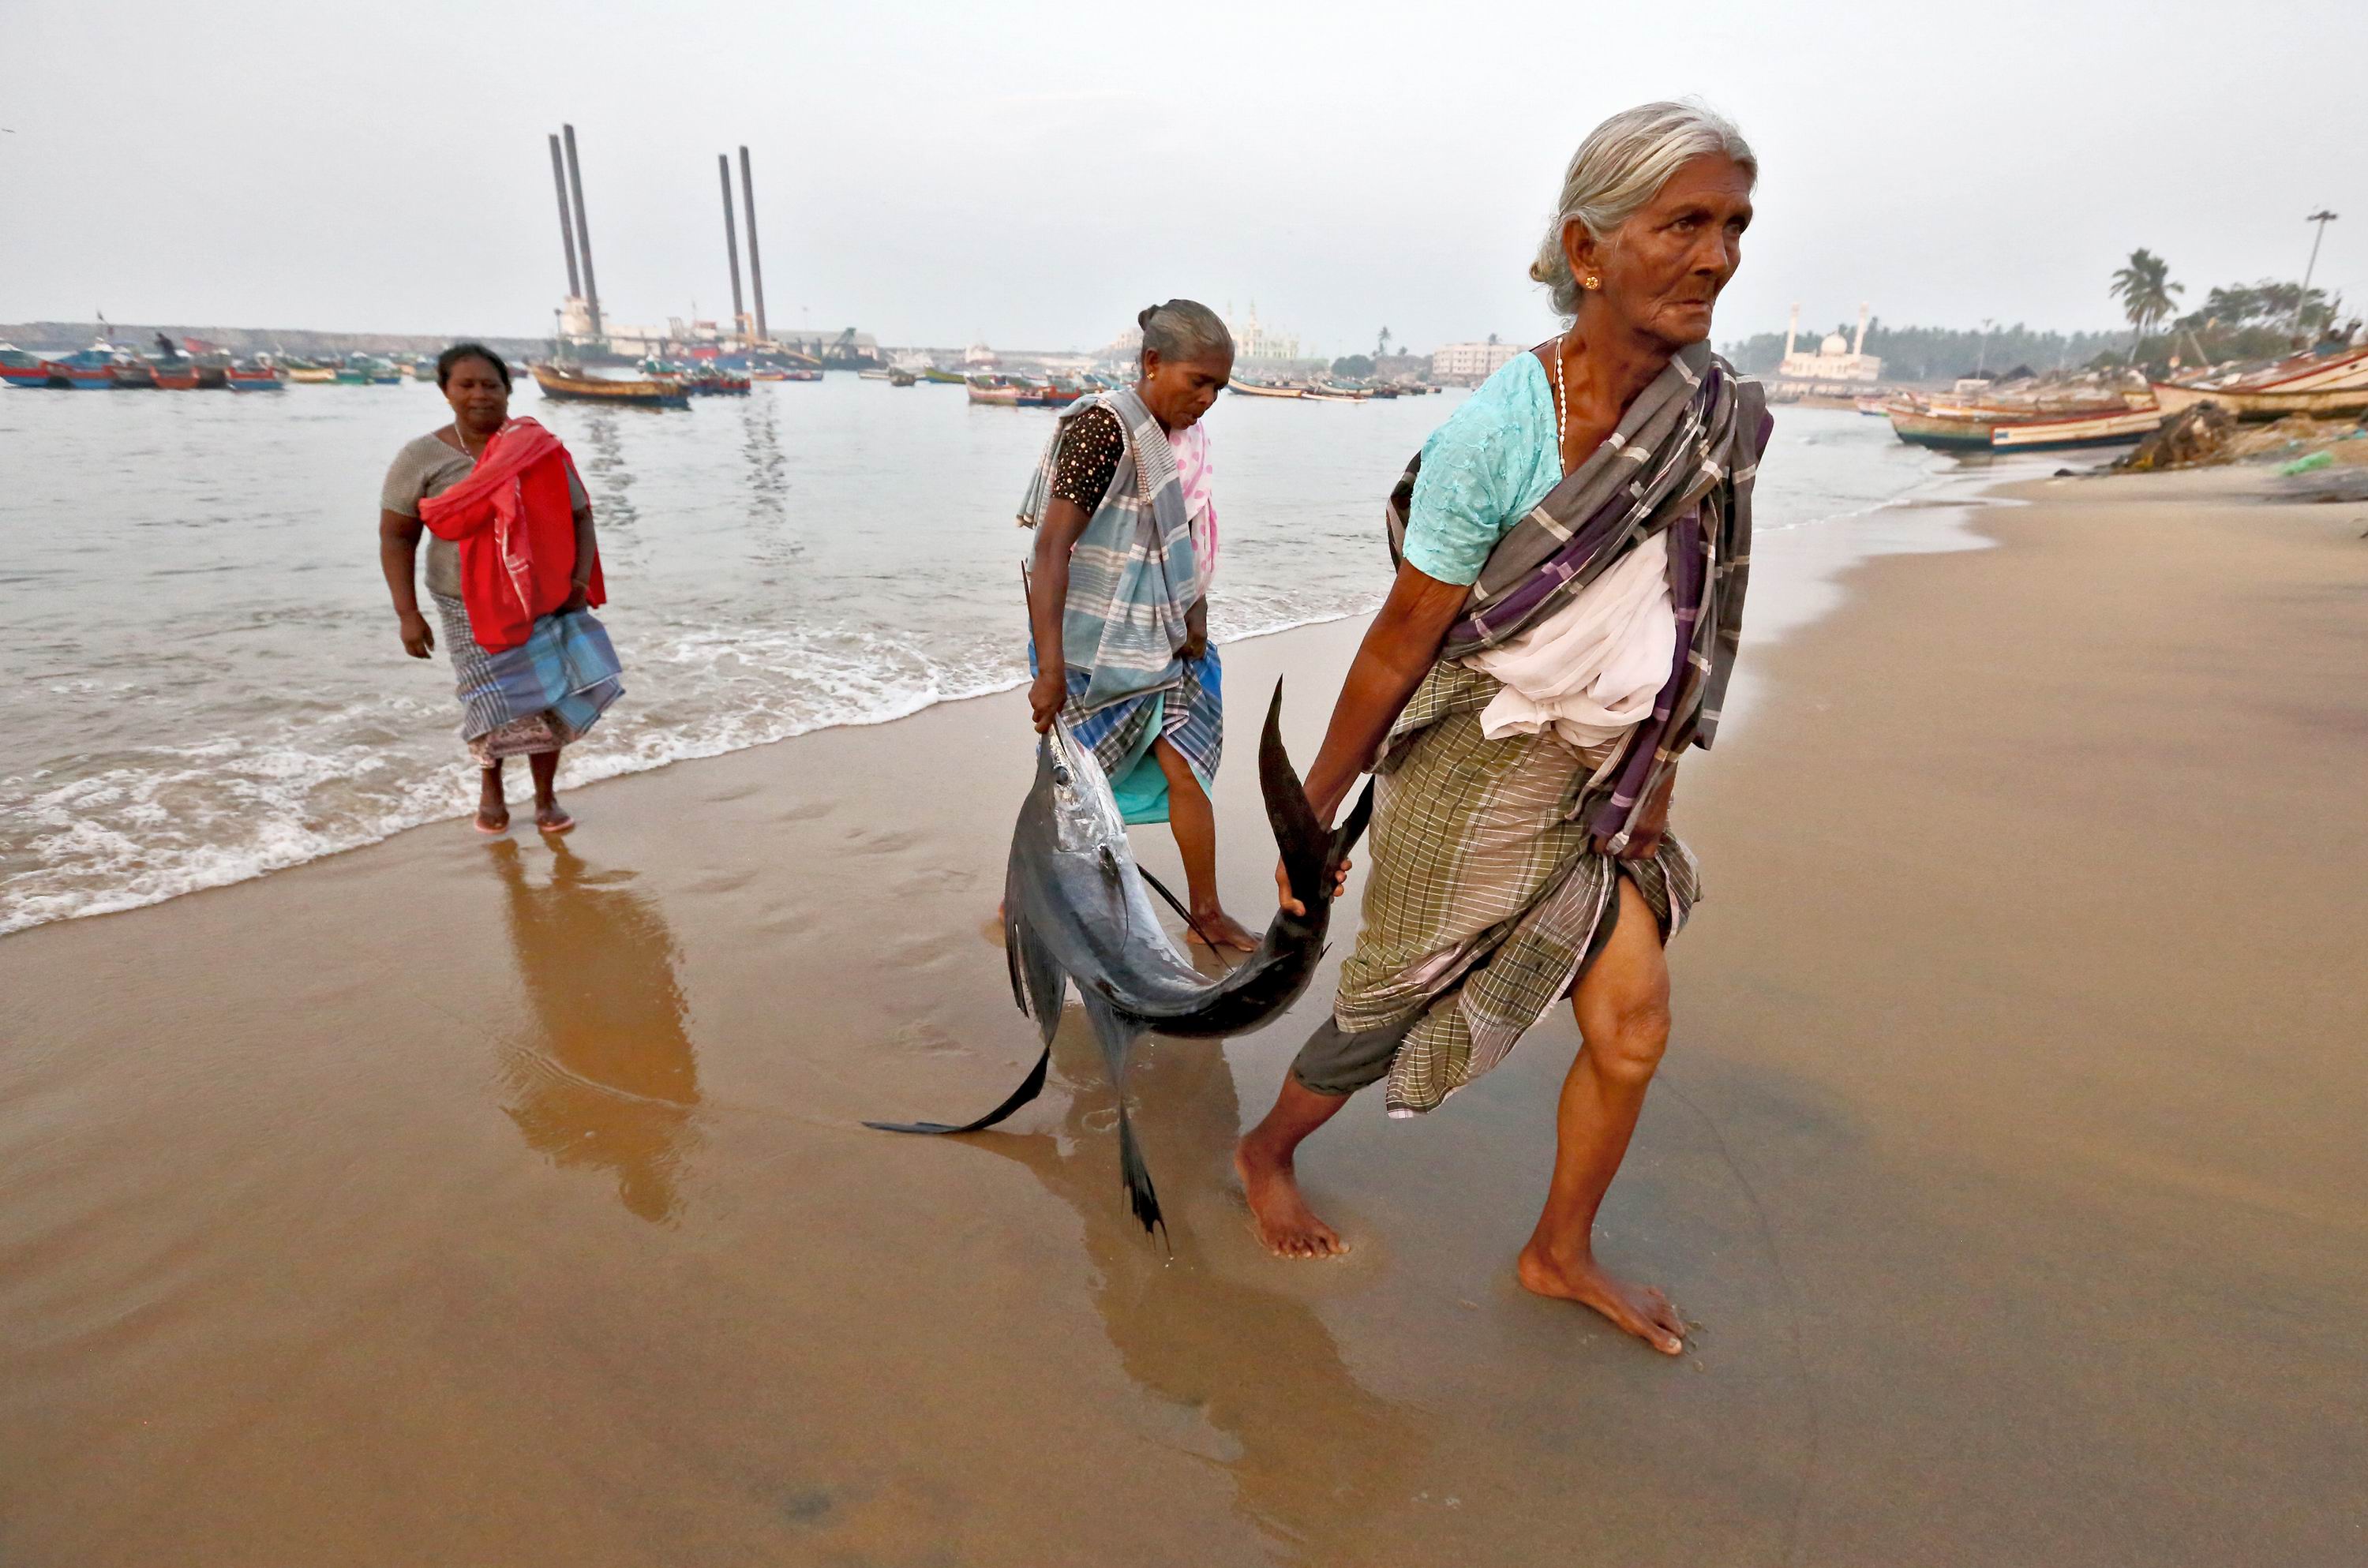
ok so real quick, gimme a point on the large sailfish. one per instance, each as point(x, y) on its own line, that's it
point(1078, 909)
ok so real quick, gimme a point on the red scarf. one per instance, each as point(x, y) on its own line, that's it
point(513, 519)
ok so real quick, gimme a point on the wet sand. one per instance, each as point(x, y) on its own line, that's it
point(445, 1202)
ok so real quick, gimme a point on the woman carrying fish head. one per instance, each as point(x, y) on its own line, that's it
point(1118, 582)
point(513, 568)
point(1572, 549)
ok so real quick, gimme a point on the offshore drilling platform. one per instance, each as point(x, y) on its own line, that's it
point(584, 334)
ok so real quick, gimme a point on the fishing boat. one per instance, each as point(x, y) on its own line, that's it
point(175, 374)
point(2057, 432)
point(350, 375)
point(19, 368)
point(941, 378)
point(134, 374)
point(1963, 431)
point(573, 386)
point(252, 377)
point(1877, 406)
point(1248, 388)
point(2248, 403)
point(1060, 396)
point(90, 370)
point(873, 373)
point(999, 390)
point(768, 375)
point(714, 383)
point(903, 378)
point(802, 373)
point(1334, 395)
point(313, 375)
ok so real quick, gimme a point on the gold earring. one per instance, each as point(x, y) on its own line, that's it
point(1593, 282)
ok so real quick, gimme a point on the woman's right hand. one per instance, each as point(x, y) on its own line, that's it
point(418, 641)
point(1046, 697)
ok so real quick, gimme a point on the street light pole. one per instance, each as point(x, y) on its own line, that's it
point(2321, 218)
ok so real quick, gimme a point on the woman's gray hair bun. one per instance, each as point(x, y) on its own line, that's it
point(1184, 329)
point(1622, 164)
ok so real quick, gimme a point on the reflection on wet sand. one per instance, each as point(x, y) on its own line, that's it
point(1316, 1459)
point(607, 1078)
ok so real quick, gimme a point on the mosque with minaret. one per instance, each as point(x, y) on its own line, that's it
point(1839, 367)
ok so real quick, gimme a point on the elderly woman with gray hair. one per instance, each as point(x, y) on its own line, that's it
point(1571, 549)
point(1118, 584)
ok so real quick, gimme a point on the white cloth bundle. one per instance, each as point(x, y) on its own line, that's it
point(1590, 670)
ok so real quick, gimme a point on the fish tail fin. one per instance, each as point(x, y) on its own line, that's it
point(1345, 836)
point(1135, 1176)
point(1302, 839)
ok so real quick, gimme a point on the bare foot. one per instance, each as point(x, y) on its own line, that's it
point(1286, 1224)
point(1640, 1310)
point(1228, 931)
point(553, 818)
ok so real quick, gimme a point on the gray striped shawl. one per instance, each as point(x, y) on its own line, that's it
point(1132, 573)
point(1682, 459)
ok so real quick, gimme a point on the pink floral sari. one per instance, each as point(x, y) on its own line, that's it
point(1195, 472)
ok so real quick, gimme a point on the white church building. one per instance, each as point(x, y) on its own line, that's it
point(1839, 366)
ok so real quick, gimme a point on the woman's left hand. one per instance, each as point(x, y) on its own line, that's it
point(1196, 631)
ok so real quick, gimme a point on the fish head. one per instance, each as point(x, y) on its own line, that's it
point(1085, 819)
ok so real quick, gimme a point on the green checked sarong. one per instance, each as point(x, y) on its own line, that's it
point(1485, 896)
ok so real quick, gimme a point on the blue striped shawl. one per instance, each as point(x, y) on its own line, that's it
point(1132, 575)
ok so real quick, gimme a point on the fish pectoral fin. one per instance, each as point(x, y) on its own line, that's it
point(1038, 984)
point(1030, 1087)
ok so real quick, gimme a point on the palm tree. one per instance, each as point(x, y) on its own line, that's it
point(2144, 288)
point(1382, 346)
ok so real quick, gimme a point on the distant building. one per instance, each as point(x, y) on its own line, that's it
point(1838, 366)
point(1470, 362)
point(1252, 340)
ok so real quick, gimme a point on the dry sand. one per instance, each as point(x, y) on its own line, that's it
point(443, 1203)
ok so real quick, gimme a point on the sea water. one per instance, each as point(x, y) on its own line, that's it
point(203, 681)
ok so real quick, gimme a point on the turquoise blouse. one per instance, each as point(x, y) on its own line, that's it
point(1496, 457)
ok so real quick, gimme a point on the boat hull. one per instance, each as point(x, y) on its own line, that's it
point(89, 378)
point(26, 375)
point(253, 380)
point(1255, 389)
point(2067, 431)
point(2248, 403)
point(625, 394)
point(1948, 433)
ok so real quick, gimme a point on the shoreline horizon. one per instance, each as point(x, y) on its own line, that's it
point(1960, 488)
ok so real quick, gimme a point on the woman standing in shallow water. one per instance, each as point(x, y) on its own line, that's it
point(513, 568)
point(1118, 591)
point(1572, 546)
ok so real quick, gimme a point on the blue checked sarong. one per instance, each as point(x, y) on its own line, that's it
point(1189, 716)
point(565, 668)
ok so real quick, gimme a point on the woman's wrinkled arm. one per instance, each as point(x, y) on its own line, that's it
point(1398, 651)
point(398, 555)
point(1048, 595)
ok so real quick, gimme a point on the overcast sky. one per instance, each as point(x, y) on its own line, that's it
point(1034, 173)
